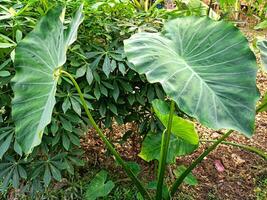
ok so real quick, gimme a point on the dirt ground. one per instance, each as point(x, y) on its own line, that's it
point(241, 170)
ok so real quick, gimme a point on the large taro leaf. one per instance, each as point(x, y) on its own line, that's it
point(38, 58)
point(262, 44)
point(152, 143)
point(205, 66)
point(181, 128)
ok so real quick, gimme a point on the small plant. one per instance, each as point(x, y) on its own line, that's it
point(187, 75)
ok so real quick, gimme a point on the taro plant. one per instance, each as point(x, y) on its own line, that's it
point(209, 74)
point(39, 60)
point(33, 174)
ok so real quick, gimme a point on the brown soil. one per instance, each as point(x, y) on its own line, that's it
point(242, 169)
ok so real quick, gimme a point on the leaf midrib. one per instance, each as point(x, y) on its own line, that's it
point(201, 80)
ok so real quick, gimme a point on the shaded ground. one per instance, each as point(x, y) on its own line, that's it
point(242, 170)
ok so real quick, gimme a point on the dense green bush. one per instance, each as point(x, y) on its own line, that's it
point(115, 92)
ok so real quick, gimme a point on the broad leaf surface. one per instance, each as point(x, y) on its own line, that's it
point(38, 57)
point(151, 147)
point(180, 127)
point(205, 66)
point(99, 186)
point(262, 44)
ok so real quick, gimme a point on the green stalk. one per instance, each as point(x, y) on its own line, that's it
point(129, 172)
point(261, 107)
point(164, 152)
point(179, 181)
point(137, 4)
point(146, 5)
point(236, 10)
point(242, 146)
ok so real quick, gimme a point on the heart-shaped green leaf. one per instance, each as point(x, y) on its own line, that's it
point(38, 59)
point(205, 66)
point(262, 44)
point(180, 127)
point(151, 147)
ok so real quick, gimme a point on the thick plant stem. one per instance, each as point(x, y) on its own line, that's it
point(129, 172)
point(179, 181)
point(242, 146)
point(164, 152)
